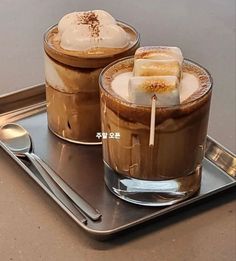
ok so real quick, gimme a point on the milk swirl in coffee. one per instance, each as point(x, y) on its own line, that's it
point(76, 50)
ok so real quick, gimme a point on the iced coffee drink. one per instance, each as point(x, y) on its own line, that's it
point(159, 104)
point(76, 50)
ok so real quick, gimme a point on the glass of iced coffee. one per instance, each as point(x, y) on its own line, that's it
point(156, 105)
point(76, 50)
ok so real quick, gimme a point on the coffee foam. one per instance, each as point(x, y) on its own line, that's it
point(189, 85)
point(72, 19)
point(80, 31)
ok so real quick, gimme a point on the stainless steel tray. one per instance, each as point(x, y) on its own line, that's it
point(82, 168)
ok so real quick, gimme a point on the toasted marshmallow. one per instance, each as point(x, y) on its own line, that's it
point(147, 67)
point(159, 53)
point(165, 88)
point(80, 31)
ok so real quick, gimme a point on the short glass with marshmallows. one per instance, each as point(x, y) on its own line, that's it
point(169, 170)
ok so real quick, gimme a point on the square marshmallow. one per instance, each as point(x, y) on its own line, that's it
point(159, 53)
point(165, 88)
point(148, 67)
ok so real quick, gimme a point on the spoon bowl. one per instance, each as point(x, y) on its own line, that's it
point(16, 138)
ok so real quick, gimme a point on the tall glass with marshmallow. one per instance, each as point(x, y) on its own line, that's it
point(159, 104)
point(76, 50)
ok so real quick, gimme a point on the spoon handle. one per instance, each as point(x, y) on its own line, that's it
point(81, 203)
point(56, 190)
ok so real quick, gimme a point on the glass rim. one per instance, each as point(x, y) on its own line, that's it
point(145, 107)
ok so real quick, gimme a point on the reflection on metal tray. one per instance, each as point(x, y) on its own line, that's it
point(82, 168)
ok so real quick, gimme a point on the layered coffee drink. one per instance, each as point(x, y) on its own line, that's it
point(159, 104)
point(76, 50)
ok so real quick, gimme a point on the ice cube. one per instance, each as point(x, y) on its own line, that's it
point(143, 88)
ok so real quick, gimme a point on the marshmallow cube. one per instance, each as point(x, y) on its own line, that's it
point(165, 88)
point(159, 53)
point(147, 67)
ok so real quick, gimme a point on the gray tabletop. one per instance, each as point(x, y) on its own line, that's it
point(32, 227)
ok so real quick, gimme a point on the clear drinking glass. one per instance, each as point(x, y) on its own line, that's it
point(169, 171)
point(72, 88)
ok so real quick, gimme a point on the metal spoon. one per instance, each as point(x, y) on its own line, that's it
point(18, 140)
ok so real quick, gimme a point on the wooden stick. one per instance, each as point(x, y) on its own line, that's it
point(152, 122)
